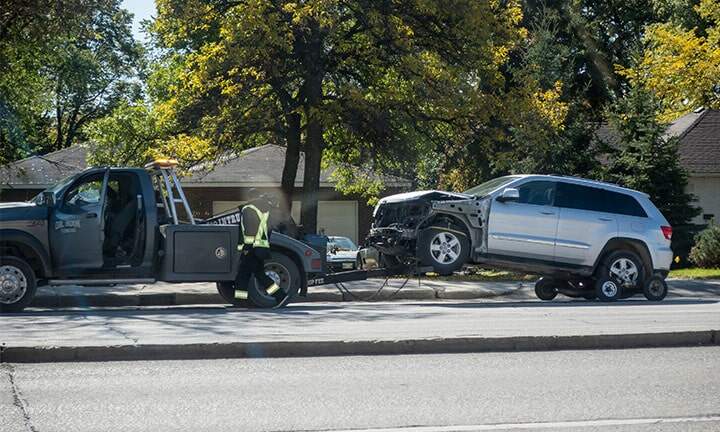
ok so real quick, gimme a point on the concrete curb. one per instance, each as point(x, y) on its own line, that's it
point(343, 348)
point(195, 298)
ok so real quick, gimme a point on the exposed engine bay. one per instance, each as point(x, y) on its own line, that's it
point(400, 223)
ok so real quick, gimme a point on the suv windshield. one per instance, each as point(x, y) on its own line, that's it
point(489, 186)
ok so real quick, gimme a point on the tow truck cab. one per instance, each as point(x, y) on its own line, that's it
point(117, 223)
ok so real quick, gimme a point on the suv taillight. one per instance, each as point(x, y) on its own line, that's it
point(667, 232)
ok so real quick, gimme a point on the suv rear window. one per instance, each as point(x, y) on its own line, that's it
point(589, 198)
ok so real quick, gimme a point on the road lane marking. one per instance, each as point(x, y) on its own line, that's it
point(542, 425)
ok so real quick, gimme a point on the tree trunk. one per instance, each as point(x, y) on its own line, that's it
point(314, 144)
point(292, 158)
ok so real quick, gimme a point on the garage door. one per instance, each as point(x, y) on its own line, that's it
point(338, 218)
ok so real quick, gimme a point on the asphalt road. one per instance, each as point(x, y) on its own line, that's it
point(628, 390)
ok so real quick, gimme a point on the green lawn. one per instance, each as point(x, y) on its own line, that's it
point(487, 275)
point(696, 273)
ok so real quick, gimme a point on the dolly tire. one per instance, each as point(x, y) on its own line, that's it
point(546, 289)
point(655, 288)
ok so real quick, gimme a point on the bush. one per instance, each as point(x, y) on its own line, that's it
point(683, 240)
point(706, 252)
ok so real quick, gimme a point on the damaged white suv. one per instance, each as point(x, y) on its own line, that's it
point(586, 238)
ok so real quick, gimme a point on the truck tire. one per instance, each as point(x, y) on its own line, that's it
point(625, 269)
point(17, 284)
point(227, 292)
point(446, 250)
point(283, 270)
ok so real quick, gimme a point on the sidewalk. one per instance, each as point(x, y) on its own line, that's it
point(322, 329)
point(165, 294)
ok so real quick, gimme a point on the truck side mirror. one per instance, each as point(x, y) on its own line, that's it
point(509, 194)
point(48, 199)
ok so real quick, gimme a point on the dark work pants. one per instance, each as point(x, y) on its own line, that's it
point(252, 263)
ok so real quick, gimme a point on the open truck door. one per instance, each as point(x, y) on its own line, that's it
point(77, 223)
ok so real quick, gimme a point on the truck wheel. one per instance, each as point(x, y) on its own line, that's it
point(227, 292)
point(445, 249)
point(283, 270)
point(17, 284)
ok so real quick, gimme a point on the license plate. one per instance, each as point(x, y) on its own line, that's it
point(347, 265)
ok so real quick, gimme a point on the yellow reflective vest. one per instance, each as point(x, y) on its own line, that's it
point(260, 239)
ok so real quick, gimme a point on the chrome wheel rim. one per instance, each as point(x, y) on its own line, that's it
point(280, 275)
point(13, 284)
point(625, 271)
point(445, 248)
point(656, 288)
point(610, 289)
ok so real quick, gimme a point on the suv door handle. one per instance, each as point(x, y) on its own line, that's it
point(91, 216)
point(547, 212)
point(606, 219)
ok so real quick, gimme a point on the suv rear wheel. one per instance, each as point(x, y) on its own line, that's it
point(620, 272)
point(445, 249)
point(17, 284)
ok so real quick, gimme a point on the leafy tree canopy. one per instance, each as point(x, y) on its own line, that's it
point(646, 159)
point(62, 64)
point(682, 65)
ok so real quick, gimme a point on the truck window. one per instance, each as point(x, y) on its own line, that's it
point(85, 193)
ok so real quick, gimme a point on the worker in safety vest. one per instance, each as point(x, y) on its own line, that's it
point(254, 247)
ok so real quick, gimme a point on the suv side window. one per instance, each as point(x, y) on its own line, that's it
point(595, 199)
point(537, 193)
point(624, 204)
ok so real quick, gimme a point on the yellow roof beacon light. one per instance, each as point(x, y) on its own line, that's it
point(162, 163)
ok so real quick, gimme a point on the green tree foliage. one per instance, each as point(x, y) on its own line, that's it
point(646, 159)
point(62, 64)
point(681, 65)
point(376, 84)
point(706, 252)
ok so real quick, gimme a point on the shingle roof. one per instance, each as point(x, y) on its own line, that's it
point(699, 135)
point(700, 142)
point(259, 166)
point(43, 171)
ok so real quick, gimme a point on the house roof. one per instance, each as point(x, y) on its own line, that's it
point(699, 136)
point(257, 167)
point(263, 166)
point(39, 172)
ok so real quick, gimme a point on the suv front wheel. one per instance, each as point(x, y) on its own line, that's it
point(17, 284)
point(445, 249)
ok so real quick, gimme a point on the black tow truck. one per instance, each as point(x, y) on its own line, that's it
point(122, 226)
